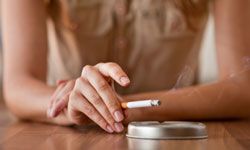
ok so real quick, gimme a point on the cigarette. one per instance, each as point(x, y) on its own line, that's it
point(141, 103)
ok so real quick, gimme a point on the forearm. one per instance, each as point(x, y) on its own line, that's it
point(28, 98)
point(224, 99)
point(25, 58)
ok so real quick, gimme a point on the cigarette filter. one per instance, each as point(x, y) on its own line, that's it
point(141, 103)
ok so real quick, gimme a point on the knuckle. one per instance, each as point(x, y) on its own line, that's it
point(102, 85)
point(79, 82)
point(86, 69)
point(99, 64)
point(99, 119)
point(111, 64)
point(96, 99)
point(89, 111)
point(110, 120)
point(113, 106)
point(108, 117)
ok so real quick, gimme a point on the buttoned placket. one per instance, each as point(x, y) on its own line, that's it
point(120, 39)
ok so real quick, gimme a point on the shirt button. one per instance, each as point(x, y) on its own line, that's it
point(121, 9)
point(121, 43)
point(74, 26)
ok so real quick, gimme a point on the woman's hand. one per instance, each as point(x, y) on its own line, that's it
point(92, 96)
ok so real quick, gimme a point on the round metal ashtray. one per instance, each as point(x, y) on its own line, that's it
point(167, 130)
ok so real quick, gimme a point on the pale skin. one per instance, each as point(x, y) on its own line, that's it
point(90, 96)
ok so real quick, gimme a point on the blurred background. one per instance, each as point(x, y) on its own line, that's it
point(207, 64)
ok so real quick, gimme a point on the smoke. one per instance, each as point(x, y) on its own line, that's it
point(184, 78)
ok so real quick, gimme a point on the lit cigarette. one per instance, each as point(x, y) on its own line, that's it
point(142, 103)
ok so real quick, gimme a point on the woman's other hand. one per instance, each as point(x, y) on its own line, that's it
point(92, 96)
point(59, 100)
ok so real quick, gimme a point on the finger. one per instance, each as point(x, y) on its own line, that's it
point(79, 103)
point(66, 88)
point(93, 97)
point(53, 99)
point(56, 92)
point(114, 71)
point(58, 107)
point(105, 91)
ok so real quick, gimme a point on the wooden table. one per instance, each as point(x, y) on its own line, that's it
point(233, 135)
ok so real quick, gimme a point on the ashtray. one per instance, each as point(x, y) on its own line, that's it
point(172, 130)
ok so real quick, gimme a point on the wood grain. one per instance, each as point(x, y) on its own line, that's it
point(223, 135)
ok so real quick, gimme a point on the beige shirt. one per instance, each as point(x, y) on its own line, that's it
point(155, 41)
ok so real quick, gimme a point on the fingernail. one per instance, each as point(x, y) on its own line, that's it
point(124, 80)
point(119, 127)
point(109, 129)
point(118, 116)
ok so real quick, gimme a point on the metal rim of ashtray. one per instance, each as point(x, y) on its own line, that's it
point(168, 130)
